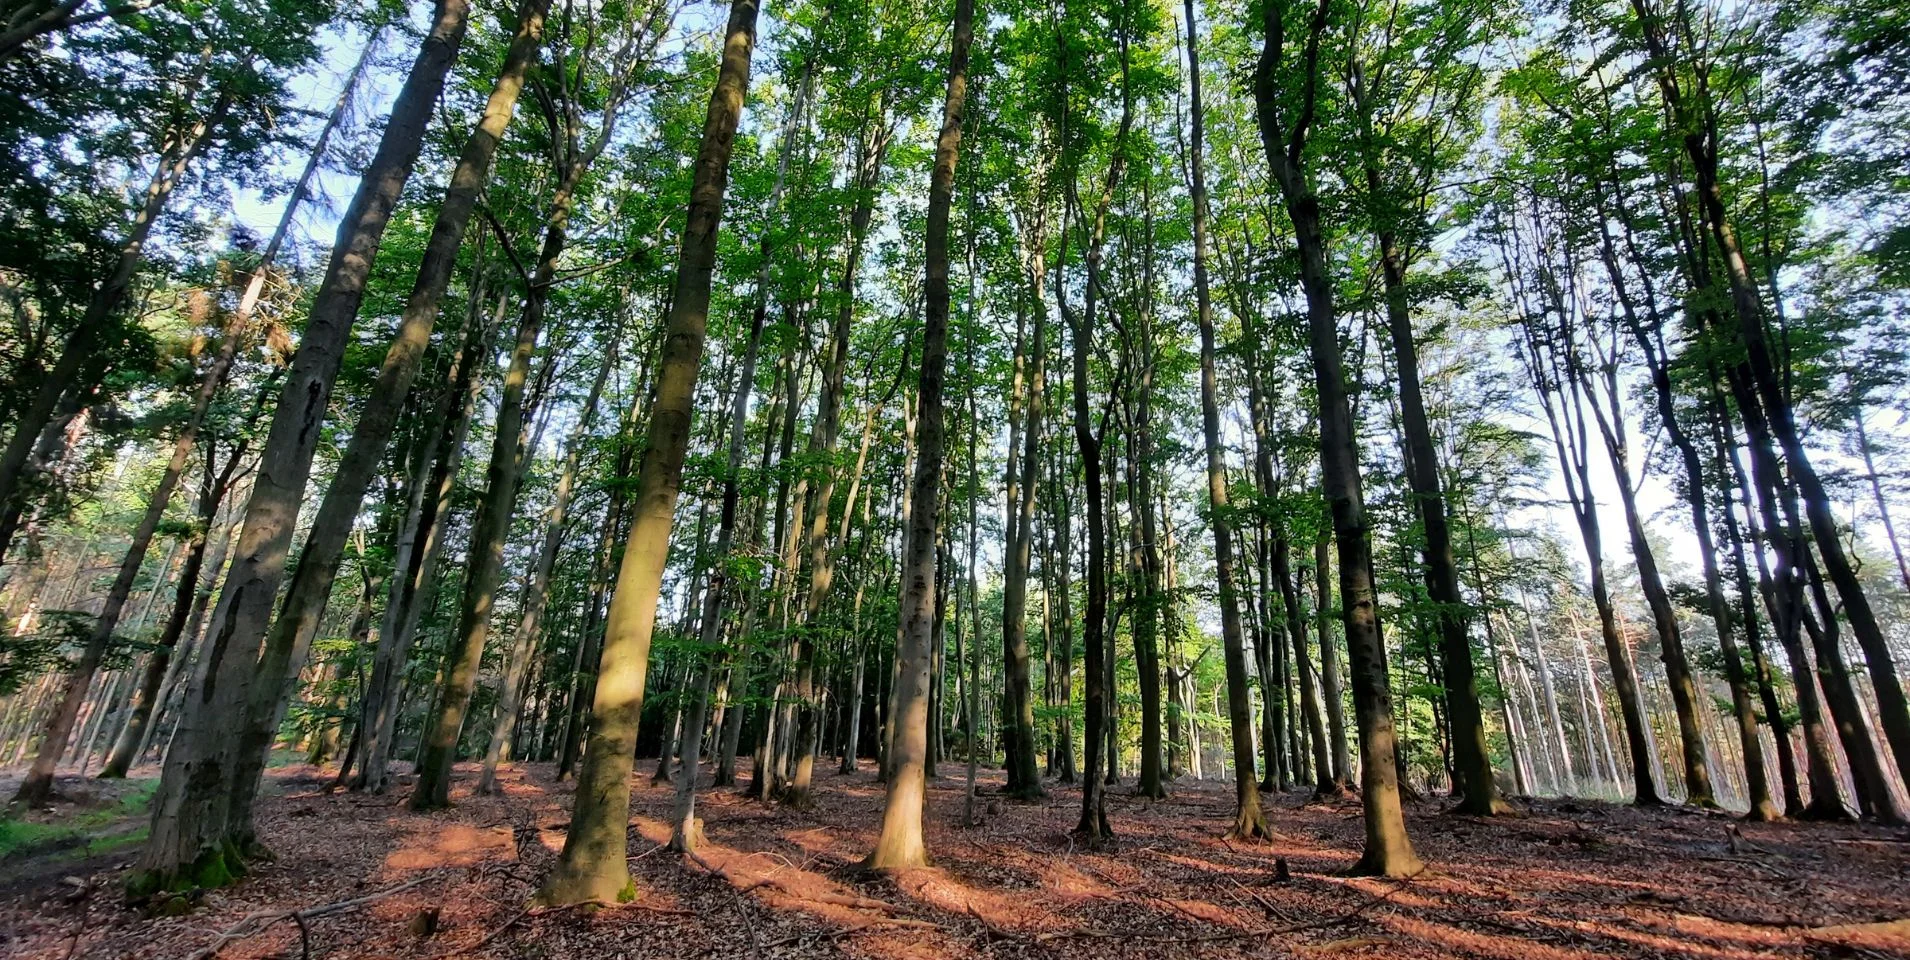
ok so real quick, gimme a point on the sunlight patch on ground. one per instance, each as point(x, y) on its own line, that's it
point(451, 845)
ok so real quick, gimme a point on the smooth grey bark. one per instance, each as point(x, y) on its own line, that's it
point(291, 634)
point(900, 844)
point(593, 864)
point(195, 829)
point(530, 617)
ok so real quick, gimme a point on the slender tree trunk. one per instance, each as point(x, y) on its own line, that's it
point(1877, 495)
point(1561, 388)
point(194, 836)
point(1249, 821)
point(1684, 692)
point(900, 844)
point(823, 436)
point(593, 865)
point(417, 589)
point(491, 525)
point(529, 624)
point(1331, 687)
point(1692, 111)
point(1309, 699)
point(318, 565)
point(1872, 784)
point(1062, 537)
point(1784, 589)
point(1023, 780)
point(1388, 851)
point(1472, 760)
point(161, 666)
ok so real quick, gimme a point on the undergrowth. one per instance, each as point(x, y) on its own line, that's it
point(86, 833)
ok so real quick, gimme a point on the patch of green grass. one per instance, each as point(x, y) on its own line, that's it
point(85, 833)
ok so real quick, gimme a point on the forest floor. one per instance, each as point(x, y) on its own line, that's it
point(1561, 880)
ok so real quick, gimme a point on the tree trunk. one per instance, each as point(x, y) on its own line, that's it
point(1249, 822)
point(1472, 760)
point(318, 564)
point(529, 624)
point(492, 523)
point(1332, 690)
point(593, 866)
point(872, 148)
point(1023, 780)
point(900, 844)
point(193, 839)
point(1388, 851)
point(1701, 142)
point(161, 666)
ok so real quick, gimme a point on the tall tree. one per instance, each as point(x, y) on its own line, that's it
point(195, 836)
point(1285, 117)
point(900, 845)
point(1249, 821)
point(592, 866)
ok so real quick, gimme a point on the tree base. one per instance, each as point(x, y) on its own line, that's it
point(1399, 866)
point(1026, 793)
point(423, 802)
point(1250, 825)
point(1331, 790)
point(172, 892)
point(687, 838)
point(889, 863)
point(1496, 807)
point(567, 888)
point(35, 791)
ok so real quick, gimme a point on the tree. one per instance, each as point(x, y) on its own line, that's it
point(900, 844)
point(592, 866)
point(1249, 821)
point(1285, 117)
point(195, 837)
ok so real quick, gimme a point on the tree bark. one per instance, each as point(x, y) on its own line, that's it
point(530, 618)
point(1249, 821)
point(900, 844)
point(324, 547)
point(1388, 851)
point(194, 836)
point(593, 866)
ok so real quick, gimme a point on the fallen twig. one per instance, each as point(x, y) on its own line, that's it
point(741, 900)
point(260, 921)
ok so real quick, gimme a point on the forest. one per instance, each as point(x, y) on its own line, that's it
point(920, 478)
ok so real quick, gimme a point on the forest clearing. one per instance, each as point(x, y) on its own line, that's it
point(1561, 880)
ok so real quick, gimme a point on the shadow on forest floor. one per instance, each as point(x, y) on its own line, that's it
point(1562, 880)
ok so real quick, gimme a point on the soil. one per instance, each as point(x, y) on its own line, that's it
point(1561, 880)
